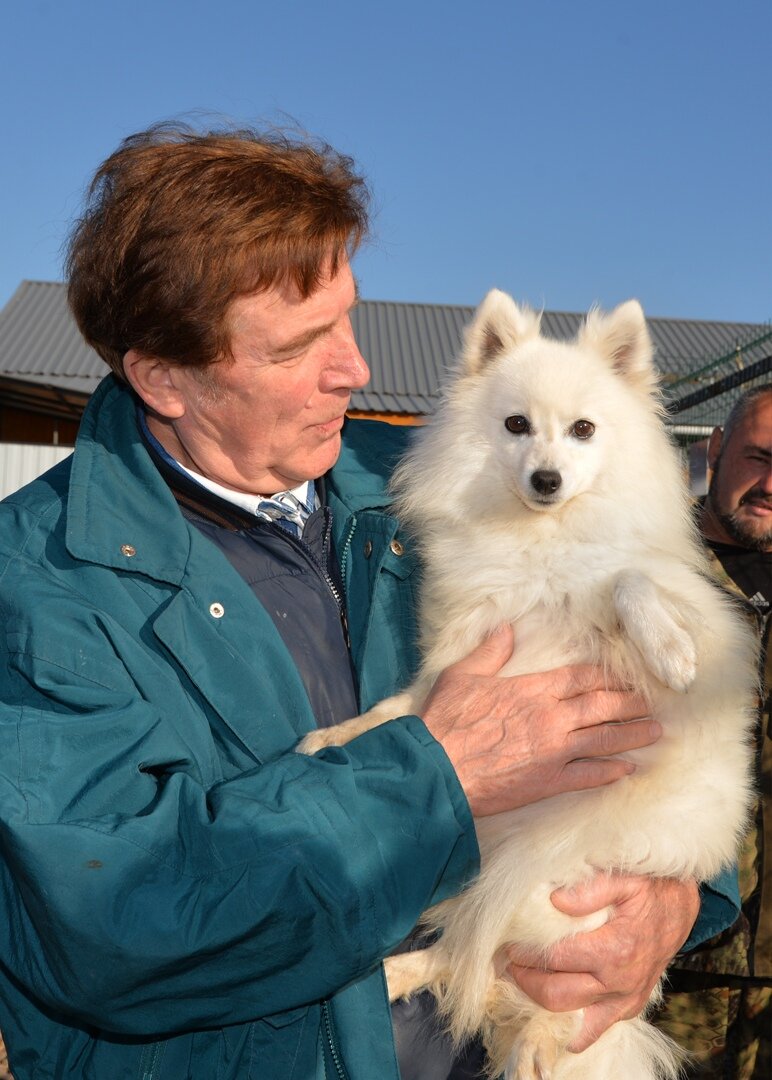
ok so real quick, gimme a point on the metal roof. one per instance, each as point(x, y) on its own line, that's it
point(408, 346)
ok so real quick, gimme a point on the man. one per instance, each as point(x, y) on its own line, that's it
point(721, 1004)
point(213, 572)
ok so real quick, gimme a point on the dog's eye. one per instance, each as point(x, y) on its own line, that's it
point(583, 429)
point(518, 425)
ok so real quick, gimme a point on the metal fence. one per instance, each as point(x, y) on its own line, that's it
point(702, 400)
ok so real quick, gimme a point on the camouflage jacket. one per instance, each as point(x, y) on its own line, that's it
point(745, 949)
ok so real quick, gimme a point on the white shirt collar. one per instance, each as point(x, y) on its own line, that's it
point(242, 498)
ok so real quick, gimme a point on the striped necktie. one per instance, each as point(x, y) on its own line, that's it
point(286, 510)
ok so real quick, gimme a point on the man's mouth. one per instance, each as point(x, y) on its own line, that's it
point(331, 425)
point(757, 504)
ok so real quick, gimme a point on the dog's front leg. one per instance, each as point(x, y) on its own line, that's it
point(646, 616)
point(409, 972)
point(400, 705)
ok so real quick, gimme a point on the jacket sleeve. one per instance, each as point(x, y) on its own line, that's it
point(139, 899)
point(719, 908)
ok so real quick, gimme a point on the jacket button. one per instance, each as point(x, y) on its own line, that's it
point(397, 547)
point(216, 610)
point(368, 548)
point(128, 550)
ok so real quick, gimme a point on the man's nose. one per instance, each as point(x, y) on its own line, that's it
point(346, 365)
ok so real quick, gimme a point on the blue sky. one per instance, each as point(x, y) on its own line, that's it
point(569, 152)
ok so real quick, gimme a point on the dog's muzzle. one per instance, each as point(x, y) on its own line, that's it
point(545, 482)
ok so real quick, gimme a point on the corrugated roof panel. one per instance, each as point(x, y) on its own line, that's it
point(560, 324)
point(39, 338)
point(409, 346)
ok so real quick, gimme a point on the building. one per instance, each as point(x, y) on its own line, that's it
point(47, 372)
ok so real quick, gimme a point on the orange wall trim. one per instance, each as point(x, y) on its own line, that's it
point(389, 418)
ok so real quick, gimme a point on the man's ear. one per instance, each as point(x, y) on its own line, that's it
point(714, 446)
point(154, 381)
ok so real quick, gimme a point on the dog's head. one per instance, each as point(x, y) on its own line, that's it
point(555, 413)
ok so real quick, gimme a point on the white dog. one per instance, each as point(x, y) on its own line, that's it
point(546, 493)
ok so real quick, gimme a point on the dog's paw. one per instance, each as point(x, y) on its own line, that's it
point(666, 647)
point(399, 978)
point(315, 740)
point(533, 1061)
point(541, 1044)
point(675, 663)
point(407, 973)
point(339, 734)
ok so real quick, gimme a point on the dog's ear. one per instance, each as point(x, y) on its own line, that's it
point(622, 337)
point(498, 325)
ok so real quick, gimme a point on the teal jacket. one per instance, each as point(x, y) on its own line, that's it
point(182, 895)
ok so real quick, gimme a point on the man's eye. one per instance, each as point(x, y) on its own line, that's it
point(518, 425)
point(583, 429)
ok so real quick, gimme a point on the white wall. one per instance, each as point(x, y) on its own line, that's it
point(22, 462)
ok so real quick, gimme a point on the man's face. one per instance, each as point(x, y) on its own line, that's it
point(270, 418)
point(740, 496)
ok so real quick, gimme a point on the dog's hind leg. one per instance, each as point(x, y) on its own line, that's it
point(409, 972)
point(403, 704)
point(539, 1045)
point(629, 1050)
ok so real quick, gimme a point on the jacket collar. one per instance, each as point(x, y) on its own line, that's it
point(370, 450)
point(121, 513)
point(119, 503)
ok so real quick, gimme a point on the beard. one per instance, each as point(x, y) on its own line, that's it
point(737, 526)
point(751, 534)
point(744, 534)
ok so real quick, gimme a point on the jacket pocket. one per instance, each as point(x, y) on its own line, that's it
point(285, 1046)
point(282, 1019)
point(399, 560)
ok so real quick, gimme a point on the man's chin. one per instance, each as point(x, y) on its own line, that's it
point(322, 459)
point(749, 532)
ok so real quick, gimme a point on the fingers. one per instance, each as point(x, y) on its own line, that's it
point(561, 991)
point(589, 773)
point(608, 739)
point(587, 693)
point(490, 656)
point(575, 680)
point(609, 972)
point(600, 706)
point(597, 892)
point(558, 991)
point(600, 1017)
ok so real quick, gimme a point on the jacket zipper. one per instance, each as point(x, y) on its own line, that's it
point(150, 1062)
point(336, 1060)
point(320, 568)
point(347, 548)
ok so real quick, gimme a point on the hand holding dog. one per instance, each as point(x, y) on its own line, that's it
point(610, 972)
point(519, 739)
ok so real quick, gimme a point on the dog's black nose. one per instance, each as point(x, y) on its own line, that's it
point(546, 481)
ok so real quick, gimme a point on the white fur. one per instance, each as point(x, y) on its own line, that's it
point(606, 568)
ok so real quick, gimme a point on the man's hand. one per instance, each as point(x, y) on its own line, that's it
point(518, 739)
point(610, 972)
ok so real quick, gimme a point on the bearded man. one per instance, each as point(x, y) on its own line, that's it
point(720, 1003)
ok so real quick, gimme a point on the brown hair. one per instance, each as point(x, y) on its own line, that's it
point(179, 223)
